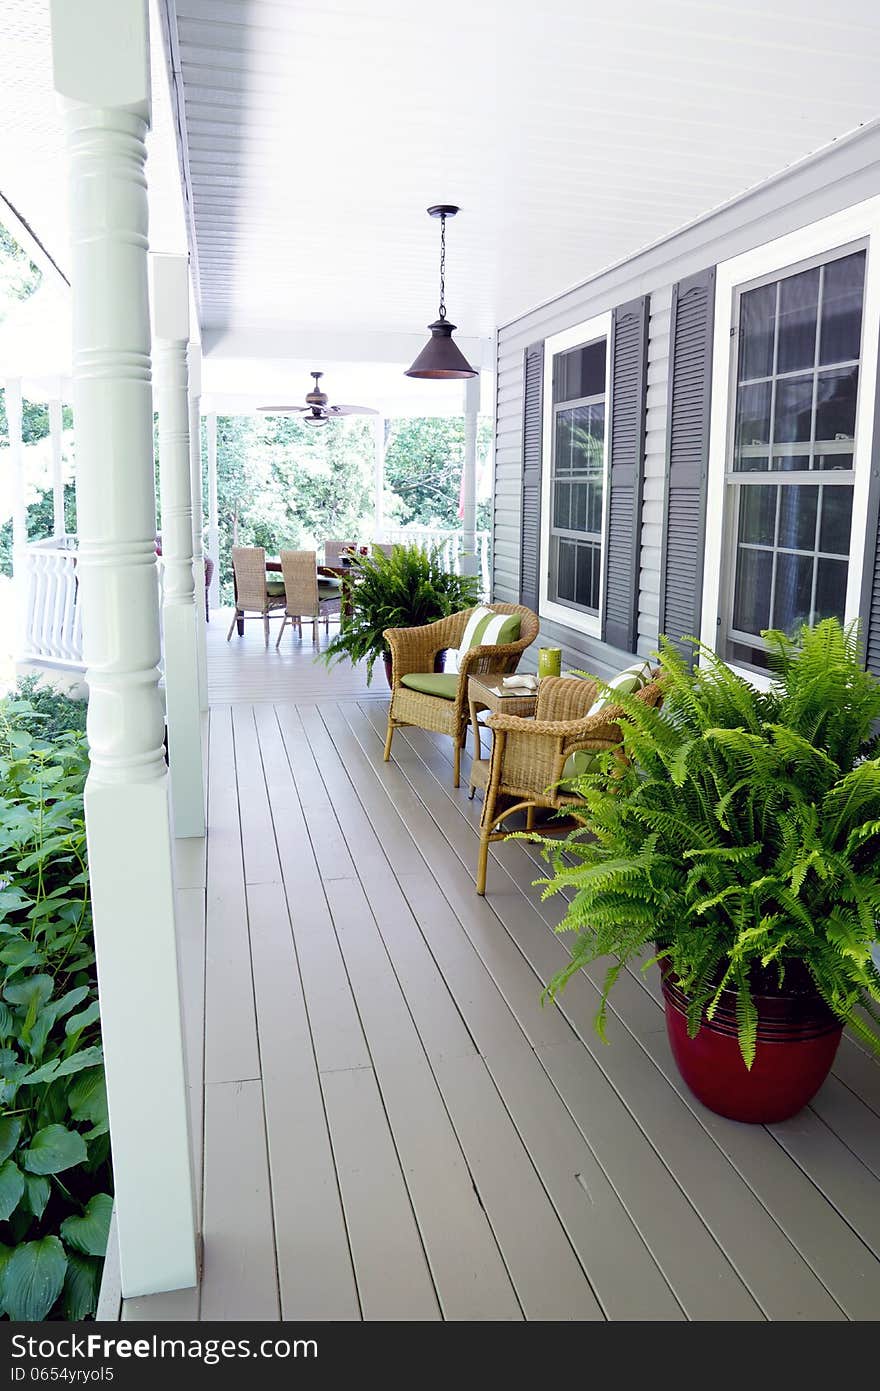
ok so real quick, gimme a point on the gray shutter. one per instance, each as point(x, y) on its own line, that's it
point(690, 391)
point(533, 431)
point(629, 369)
point(870, 602)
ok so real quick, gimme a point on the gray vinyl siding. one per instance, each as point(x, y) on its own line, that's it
point(835, 178)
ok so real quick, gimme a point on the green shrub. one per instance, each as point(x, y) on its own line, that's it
point(51, 712)
point(55, 1178)
point(742, 836)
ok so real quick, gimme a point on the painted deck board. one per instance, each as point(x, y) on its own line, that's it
point(394, 1125)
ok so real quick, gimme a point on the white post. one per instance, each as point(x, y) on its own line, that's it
point(379, 526)
point(179, 607)
point(213, 510)
point(469, 560)
point(101, 70)
point(195, 463)
point(56, 423)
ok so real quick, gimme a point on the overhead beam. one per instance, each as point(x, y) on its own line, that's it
point(322, 346)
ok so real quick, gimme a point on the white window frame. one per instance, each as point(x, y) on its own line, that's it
point(860, 223)
point(577, 337)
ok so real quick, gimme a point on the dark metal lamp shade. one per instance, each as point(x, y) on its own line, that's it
point(440, 358)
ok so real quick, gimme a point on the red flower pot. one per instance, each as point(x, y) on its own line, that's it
point(796, 1043)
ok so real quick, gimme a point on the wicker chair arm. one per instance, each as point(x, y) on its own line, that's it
point(414, 649)
point(592, 727)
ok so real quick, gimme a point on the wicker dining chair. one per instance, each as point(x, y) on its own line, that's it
point(414, 650)
point(333, 551)
point(529, 756)
point(306, 596)
point(253, 593)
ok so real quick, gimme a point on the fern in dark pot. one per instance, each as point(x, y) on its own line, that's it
point(741, 838)
point(404, 588)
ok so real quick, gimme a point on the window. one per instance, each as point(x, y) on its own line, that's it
point(790, 468)
point(575, 444)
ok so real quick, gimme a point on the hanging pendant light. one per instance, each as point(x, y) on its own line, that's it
point(441, 359)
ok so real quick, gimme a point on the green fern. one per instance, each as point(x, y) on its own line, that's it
point(742, 835)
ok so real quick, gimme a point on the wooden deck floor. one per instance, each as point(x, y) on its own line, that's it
point(245, 670)
point(392, 1125)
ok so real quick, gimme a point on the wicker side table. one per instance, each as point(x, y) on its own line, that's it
point(483, 694)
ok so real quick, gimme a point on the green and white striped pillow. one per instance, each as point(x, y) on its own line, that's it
point(486, 628)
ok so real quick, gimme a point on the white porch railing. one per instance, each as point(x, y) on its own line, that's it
point(452, 543)
point(52, 626)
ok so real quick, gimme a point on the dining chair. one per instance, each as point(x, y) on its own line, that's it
point(333, 551)
point(255, 595)
point(306, 596)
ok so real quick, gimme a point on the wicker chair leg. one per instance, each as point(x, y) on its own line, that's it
point(232, 624)
point(266, 629)
point(388, 737)
point(456, 781)
point(281, 632)
point(530, 819)
point(483, 859)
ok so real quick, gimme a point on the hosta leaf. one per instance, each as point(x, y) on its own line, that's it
point(80, 1286)
point(11, 1188)
point(83, 1019)
point(87, 1097)
point(89, 1232)
point(19, 954)
point(10, 1129)
point(33, 1279)
point(54, 1149)
point(36, 1193)
point(70, 1001)
point(13, 899)
point(65, 1067)
point(32, 988)
point(7, 1022)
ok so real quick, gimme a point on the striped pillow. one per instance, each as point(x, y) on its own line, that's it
point(627, 682)
point(484, 628)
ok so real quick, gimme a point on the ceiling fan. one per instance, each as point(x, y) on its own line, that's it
point(317, 410)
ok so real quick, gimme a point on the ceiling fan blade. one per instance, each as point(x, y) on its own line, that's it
point(352, 410)
point(284, 410)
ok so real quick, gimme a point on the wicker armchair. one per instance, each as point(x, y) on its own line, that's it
point(529, 755)
point(415, 650)
point(252, 597)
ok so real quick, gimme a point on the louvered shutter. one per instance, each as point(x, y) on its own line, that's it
point(533, 429)
point(629, 367)
point(870, 605)
point(690, 390)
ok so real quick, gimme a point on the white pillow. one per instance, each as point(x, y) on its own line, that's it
point(633, 678)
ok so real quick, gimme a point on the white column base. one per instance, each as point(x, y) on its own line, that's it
point(130, 863)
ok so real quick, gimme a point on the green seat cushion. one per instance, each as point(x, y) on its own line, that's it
point(579, 763)
point(432, 683)
point(275, 588)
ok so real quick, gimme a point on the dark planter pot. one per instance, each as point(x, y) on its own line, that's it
point(797, 1040)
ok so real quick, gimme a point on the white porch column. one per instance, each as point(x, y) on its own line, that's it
point(198, 521)
point(470, 564)
point(379, 479)
point(101, 70)
point(213, 509)
point(56, 424)
point(179, 607)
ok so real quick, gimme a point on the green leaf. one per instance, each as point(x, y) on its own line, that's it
point(33, 1279)
point(80, 1286)
point(24, 992)
point(89, 1232)
point(54, 1149)
point(76, 1022)
point(37, 1191)
point(10, 1129)
point(11, 1188)
point(7, 1023)
point(64, 1067)
point(87, 1097)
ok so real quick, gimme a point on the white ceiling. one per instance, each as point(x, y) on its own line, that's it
point(572, 132)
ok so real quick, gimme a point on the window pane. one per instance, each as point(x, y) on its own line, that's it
point(797, 517)
point(798, 303)
point(588, 576)
point(834, 461)
point(580, 493)
point(836, 404)
point(791, 463)
point(752, 427)
point(757, 313)
point(579, 373)
point(836, 521)
point(757, 515)
point(751, 605)
point(794, 586)
point(831, 589)
point(567, 559)
point(794, 409)
point(594, 514)
point(840, 339)
point(561, 506)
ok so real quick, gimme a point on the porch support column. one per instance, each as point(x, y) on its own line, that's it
point(101, 70)
point(470, 563)
point(198, 522)
point(56, 424)
point(213, 509)
point(379, 526)
point(22, 587)
point(179, 609)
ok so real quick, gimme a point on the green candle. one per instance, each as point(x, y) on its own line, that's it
point(549, 661)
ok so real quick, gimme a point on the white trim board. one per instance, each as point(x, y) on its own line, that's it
point(861, 222)
point(578, 336)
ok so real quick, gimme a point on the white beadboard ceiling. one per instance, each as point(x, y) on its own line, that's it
point(572, 132)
